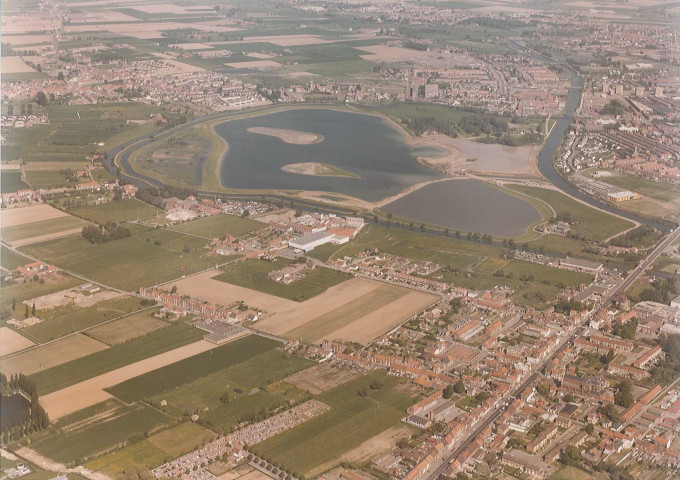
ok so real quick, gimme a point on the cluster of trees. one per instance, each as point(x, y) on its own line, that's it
point(155, 196)
point(641, 236)
point(625, 330)
point(660, 291)
point(566, 306)
point(110, 231)
point(529, 138)
point(668, 369)
point(17, 423)
point(614, 107)
point(624, 394)
point(282, 473)
point(609, 411)
point(468, 123)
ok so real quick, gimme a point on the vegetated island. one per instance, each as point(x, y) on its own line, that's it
point(317, 170)
point(288, 136)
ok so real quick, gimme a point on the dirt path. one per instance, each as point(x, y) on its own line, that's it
point(90, 392)
point(44, 462)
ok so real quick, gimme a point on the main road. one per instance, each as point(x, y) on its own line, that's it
point(492, 415)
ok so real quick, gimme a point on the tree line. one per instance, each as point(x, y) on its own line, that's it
point(17, 423)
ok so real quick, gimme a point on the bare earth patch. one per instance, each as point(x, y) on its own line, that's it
point(90, 392)
point(11, 217)
point(14, 65)
point(51, 355)
point(316, 169)
point(11, 341)
point(289, 136)
point(320, 378)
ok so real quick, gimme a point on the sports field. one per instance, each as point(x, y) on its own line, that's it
point(217, 226)
point(48, 356)
point(118, 211)
point(146, 258)
point(252, 274)
point(352, 420)
point(98, 363)
point(128, 328)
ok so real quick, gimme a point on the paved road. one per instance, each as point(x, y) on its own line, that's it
point(441, 465)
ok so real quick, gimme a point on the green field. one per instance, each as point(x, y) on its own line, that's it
point(118, 211)
point(75, 130)
point(47, 178)
point(146, 258)
point(352, 420)
point(589, 222)
point(663, 198)
point(263, 372)
point(10, 181)
point(71, 444)
point(192, 368)
point(43, 227)
point(181, 439)
point(11, 260)
point(90, 366)
point(217, 226)
point(316, 330)
point(128, 328)
point(143, 453)
point(253, 274)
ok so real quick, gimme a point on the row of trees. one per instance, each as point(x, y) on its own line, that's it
point(19, 422)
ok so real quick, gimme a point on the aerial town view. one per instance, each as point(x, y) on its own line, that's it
point(340, 239)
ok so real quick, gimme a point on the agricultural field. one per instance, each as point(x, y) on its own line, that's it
point(252, 274)
point(118, 211)
point(75, 131)
point(75, 371)
point(589, 222)
point(143, 453)
point(351, 420)
point(192, 368)
point(74, 319)
point(42, 230)
point(12, 342)
point(216, 226)
point(11, 260)
point(95, 430)
point(128, 328)
point(146, 258)
point(51, 355)
point(249, 386)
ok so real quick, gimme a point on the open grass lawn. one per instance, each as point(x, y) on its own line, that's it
point(192, 368)
point(42, 227)
point(253, 274)
point(76, 319)
point(218, 226)
point(127, 328)
point(10, 181)
point(573, 473)
point(181, 439)
point(589, 222)
point(120, 211)
point(21, 290)
point(146, 258)
point(321, 326)
point(667, 264)
point(90, 366)
point(71, 446)
point(351, 421)
point(47, 179)
point(663, 191)
point(413, 245)
point(264, 372)
point(144, 454)
point(11, 260)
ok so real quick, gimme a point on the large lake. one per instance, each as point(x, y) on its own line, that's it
point(467, 205)
point(364, 145)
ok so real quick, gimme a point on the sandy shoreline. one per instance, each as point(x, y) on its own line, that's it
point(317, 170)
point(288, 136)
